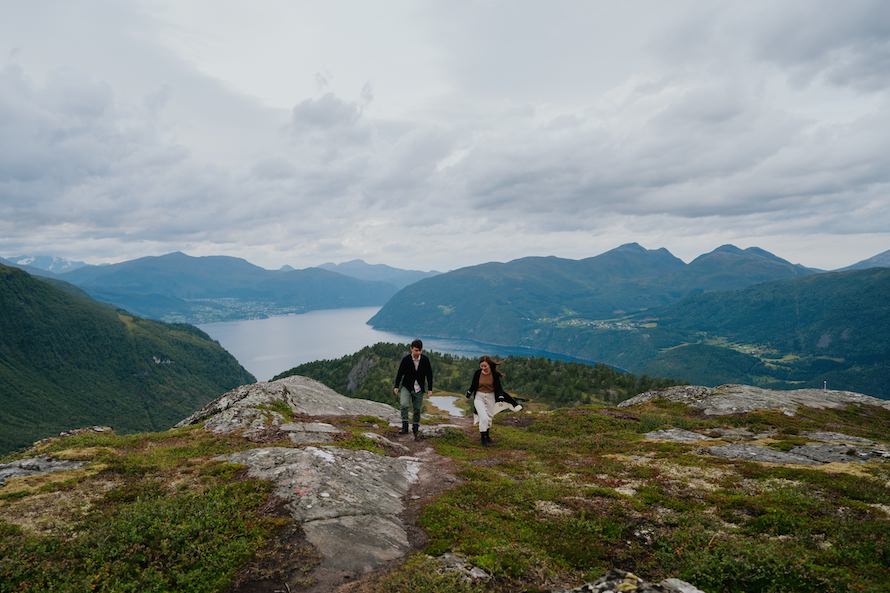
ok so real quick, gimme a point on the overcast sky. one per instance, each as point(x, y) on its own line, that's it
point(439, 134)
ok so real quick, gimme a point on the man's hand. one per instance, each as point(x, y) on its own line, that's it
point(429, 393)
point(395, 390)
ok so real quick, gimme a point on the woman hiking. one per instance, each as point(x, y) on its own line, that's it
point(489, 397)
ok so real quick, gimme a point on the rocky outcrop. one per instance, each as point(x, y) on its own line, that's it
point(620, 581)
point(735, 399)
point(34, 466)
point(349, 502)
point(252, 409)
point(758, 453)
point(824, 447)
point(678, 435)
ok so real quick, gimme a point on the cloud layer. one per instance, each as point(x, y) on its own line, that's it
point(499, 130)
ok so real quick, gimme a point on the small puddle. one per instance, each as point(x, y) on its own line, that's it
point(447, 403)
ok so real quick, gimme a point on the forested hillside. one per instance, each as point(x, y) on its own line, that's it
point(369, 374)
point(511, 303)
point(67, 361)
point(832, 327)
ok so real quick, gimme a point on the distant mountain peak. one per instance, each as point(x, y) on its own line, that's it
point(631, 247)
point(728, 248)
point(766, 254)
point(359, 268)
point(46, 263)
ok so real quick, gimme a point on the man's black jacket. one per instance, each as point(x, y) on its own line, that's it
point(406, 375)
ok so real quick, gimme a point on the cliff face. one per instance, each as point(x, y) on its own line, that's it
point(289, 485)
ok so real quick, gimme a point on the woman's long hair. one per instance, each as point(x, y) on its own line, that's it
point(493, 364)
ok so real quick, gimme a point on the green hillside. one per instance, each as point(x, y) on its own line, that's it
point(67, 361)
point(731, 315)
point(369, 373)
point(832, 327)
point(511, 303)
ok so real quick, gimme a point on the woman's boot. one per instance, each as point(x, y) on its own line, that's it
point(488, 437)
point(483, 437)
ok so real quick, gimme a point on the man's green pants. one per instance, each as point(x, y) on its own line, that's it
point(409, 400)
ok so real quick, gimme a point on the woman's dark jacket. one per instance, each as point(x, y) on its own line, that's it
point(499, 394)
point(406, 375)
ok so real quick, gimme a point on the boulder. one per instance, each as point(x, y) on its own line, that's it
point(33, 466)
point(251, 409)
point(735, 399)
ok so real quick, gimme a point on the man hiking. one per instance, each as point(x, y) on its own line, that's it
point(415, 375)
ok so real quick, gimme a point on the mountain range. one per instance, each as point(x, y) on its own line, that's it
point(48, 263)
point(503, 302)
point(642, 310)
point(362, 270)
point(179, 287)
point(731, 315)
point(67, 361)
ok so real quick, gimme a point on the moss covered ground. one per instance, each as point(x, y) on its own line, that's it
point(562, 496)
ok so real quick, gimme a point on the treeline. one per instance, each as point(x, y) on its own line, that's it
point(369, 373)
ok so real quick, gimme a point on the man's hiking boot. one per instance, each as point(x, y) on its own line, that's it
point(404, 428)
point(416, 430)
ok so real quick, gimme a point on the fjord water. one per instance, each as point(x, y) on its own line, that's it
point(266, 347)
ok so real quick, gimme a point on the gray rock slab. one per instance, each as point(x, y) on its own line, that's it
point(459, 564)
point(828, 453)
point(677, 434)
point(734, 399)
point(839, 437)
point(386, 442)
point(347, 500)
point(357, 544)
point(436, 430)
point(328, 482)
point(757, 453)
point(732, 434)
point(304, 433)
point(33, 466)
point(678, 586)
point(310, 438)
point(309, 427)
point(250, 408)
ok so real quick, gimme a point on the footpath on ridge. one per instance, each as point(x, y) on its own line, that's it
point(356, 507)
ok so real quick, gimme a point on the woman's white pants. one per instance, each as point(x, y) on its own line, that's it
point(484, 404)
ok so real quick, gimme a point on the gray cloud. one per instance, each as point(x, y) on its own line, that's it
point(734, 123)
